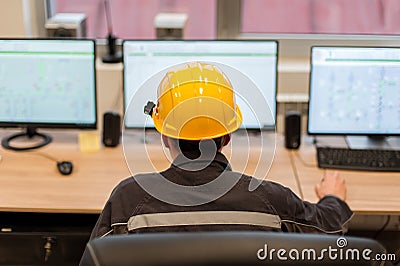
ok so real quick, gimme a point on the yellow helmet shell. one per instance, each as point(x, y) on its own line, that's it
point(196, 101)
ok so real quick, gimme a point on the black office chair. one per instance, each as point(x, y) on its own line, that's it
point(233, 248)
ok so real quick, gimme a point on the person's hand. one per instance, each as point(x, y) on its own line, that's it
point(331, 184)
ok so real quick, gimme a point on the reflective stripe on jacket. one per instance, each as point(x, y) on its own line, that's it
point(270, 207)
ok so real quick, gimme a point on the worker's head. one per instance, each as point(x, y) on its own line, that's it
point(196, 102)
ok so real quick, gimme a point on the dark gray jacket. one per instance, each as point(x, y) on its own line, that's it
point(270, 207)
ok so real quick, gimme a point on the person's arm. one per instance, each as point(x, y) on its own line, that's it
point(122, 201)
point(329, 215)
point(103, 224)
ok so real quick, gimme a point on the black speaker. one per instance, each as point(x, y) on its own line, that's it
point(111, 129)
point(292, 129)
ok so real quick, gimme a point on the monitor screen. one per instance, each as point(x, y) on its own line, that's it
point(257, 60)
point(354, 91)
point(47, 83)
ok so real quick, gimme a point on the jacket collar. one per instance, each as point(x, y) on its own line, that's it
point(219, 159)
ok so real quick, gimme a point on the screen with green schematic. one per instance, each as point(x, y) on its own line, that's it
point(251, 66)
point(47, 83)
point(354, 91)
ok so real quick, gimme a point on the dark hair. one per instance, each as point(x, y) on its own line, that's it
point(190, 148)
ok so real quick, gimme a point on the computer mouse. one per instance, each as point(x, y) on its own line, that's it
point(65, 167)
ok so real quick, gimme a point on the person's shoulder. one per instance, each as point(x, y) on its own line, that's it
point(130, 183)
point(261, 183)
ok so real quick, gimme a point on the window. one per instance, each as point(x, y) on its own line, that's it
point(133, 19)
point(321, 16)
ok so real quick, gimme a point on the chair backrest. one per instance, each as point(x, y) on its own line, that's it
point(233, 248)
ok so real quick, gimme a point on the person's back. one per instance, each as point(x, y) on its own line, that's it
point(195, 114)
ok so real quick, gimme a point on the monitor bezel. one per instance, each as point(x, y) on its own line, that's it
point(55, 125)
point(253, 129)
point(309, 94)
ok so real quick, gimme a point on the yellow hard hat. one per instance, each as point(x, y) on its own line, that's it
point(196, 101)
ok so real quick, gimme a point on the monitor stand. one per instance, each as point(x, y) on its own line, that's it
point(30, 133)
point(373, 142)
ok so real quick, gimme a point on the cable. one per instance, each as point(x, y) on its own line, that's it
point(64, 167)
point(45, 156)
point(118, 98)
point(33, 153)
point(296, 174)
point(383, 227)
point(304, 162)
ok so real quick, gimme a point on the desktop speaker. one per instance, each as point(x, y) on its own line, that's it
point(292, 129)
point(111, 129)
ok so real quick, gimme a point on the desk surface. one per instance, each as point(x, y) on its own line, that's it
point(30, 182)
point(367, 192)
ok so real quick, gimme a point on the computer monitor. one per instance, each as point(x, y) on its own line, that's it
point(256, 59)
point(354, 91)
point(46, 83)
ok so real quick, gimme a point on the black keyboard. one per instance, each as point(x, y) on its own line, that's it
point(359, 159)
